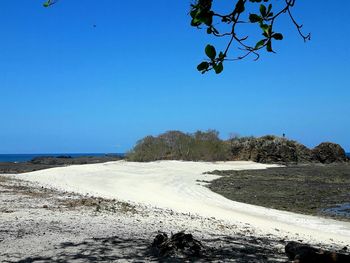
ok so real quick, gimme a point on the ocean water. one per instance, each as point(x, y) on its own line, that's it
point(27, 157)
point(339, 210)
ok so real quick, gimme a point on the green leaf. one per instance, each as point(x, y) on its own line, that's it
point(264, 26)
point(195, 22)
point(260, 44)
point(240, 7)
point(269, 46)
point(210, 52)
point(253, 18)
point(193, 13)
point(269, 9)
point(49, 3)
point(263, 10)
point(277, 36)
point(219, 68)
point(203, 66)
point(206, 18)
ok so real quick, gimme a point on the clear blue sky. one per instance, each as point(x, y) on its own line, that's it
point(66, 86)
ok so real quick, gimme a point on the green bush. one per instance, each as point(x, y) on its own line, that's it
point(176, 145)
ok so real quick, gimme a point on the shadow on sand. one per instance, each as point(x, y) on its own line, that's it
point(111, 249)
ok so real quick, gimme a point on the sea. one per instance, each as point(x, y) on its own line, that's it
point(18, 158)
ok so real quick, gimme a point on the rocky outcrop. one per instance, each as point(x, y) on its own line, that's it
point(272, 149)
point(328, 152)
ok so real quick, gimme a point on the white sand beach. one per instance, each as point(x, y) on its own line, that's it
point(179, 186)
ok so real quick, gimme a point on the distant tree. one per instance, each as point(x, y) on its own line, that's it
point(262, 13)
point(176, 145)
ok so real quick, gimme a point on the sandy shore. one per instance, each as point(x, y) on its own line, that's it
point(167, 196)
point(43, 225)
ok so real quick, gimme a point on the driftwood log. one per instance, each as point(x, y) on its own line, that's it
point(179, 242)
point(182, 244)
point(302, 253)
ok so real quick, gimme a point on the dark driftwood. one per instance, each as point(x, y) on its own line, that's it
point(179, 242)
point(302, 253)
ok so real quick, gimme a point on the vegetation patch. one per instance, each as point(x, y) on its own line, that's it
point(98, 204)
point(176, 145)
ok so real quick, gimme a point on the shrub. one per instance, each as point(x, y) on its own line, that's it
point(176, 145)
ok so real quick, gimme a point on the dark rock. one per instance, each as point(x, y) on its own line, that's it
point(64, 157)
point(68, 160)
point(272, 149)
point(328, 152)
point(269, 149)
point(47, 160)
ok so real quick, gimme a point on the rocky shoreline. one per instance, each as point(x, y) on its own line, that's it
point(40, 163)
point(312, 189)
point(272, 149)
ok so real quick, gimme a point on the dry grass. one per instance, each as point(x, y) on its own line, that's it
point(3, 179)
point(98, 204)
point(59, 200)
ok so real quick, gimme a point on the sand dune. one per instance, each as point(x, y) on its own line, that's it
point(177, 185)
